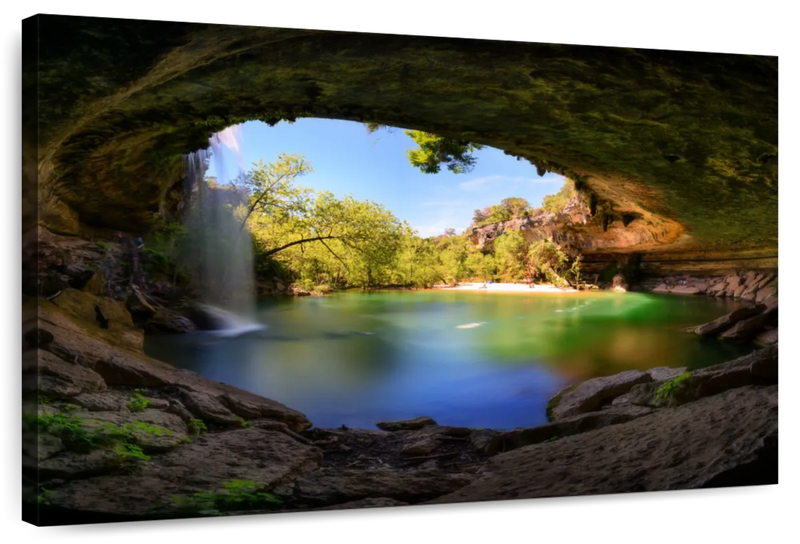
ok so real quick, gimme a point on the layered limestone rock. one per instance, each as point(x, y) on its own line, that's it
point(660, 138)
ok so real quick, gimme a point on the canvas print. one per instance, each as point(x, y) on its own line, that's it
point(272, 270)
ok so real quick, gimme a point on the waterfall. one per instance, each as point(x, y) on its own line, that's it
point(219, 247)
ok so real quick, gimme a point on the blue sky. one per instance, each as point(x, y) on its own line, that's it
point(349, 160)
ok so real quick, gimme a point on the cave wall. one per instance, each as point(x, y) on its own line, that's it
point(687, 138)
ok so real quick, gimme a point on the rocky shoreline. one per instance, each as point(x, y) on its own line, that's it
point(111, 434)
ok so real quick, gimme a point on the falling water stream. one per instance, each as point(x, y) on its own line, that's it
point(221, 254)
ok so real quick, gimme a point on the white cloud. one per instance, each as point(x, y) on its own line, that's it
point(477, 183)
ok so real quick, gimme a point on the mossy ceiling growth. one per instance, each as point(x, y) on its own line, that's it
point(691, 137)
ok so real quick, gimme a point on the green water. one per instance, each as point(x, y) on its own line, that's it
point(463, 358)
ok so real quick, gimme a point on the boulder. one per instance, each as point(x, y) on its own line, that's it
point(421, 447)
point(620, 283)
point(379, 502)
point(701, 286)
point(746, 328)
point(686, 290)
point(728, 439)
point(665, 373)
point(107, 401)
point(661, 288)
point(137, 305)
point(203, 465)
point(728, 320)
point(329, 486)
point(555, 431)
point(762, 294)
point(589, 395)
point(733, 282)
point(168, 321)
point(738, 291)
point(208, 408)
point(46, 374)
point(767, 338)
point(709, 381)
point(406, 424)
point(717, 287)
point(101, 317)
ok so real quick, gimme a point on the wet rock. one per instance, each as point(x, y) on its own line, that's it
point(139, 308)
point(767, 338)
point(728, 320)
point(51, 376)
point(406, 425)
point(727, 439)
point(168, 321)
point(93, 348)
point(555, 431)
point(589, 395)
point(746, 328)
point(709, 381)
point(201, 466)
point(331, 486)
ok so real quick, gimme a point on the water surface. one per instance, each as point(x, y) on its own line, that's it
point(463, 358)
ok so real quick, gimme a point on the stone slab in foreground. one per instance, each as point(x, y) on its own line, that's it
point(720, 440)
point(589, 395)
point(267, 458)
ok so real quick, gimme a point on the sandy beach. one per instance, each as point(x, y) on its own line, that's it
point(506, 288)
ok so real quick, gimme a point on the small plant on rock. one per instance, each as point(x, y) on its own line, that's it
point(197, 426)
point(43, 496)
point(667, 393)
point(138, 401)
point(234, 495)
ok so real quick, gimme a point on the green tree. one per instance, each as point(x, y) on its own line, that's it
point(557, 202)
point(546, 260)
point(433, 150)
point(511, 255)
point(517, 207)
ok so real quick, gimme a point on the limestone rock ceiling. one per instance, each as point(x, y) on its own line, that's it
point(674, 138)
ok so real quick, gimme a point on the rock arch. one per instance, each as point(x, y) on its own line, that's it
point(685, 142)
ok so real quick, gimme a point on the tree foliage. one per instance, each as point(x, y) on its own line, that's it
point(557, 202)
point(433, 151)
